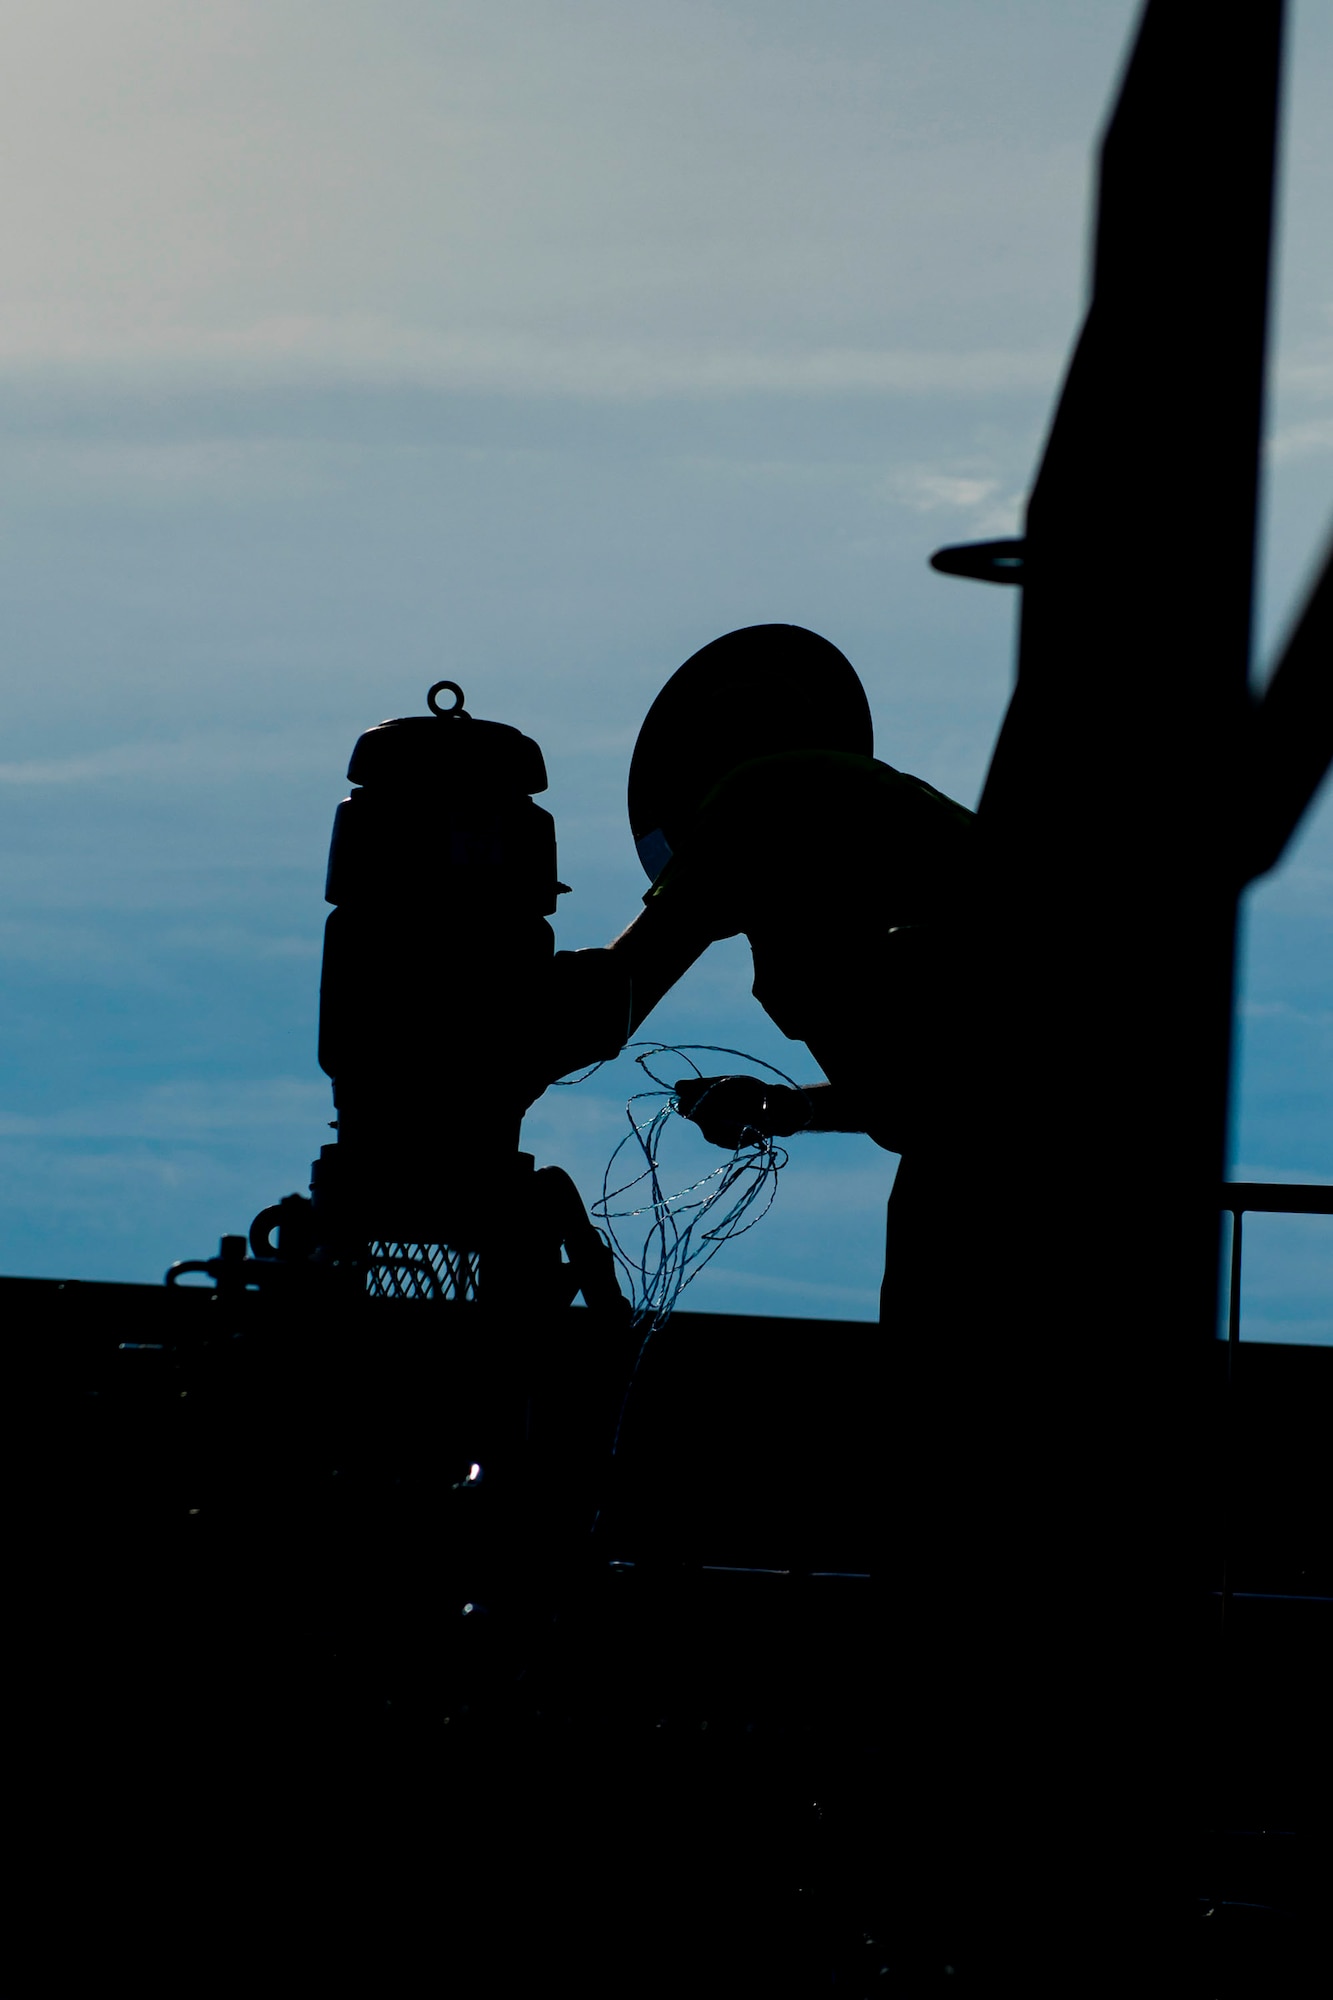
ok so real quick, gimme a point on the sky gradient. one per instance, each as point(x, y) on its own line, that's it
point(346, 346)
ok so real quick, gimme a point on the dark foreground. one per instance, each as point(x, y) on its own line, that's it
point(317, 1705)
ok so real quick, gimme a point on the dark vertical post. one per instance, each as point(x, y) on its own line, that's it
point(1059, 1544)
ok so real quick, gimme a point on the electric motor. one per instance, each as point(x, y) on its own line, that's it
point(437, 958)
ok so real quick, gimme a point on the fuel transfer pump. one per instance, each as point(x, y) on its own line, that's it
point(445, 1010)
point(407, 1322)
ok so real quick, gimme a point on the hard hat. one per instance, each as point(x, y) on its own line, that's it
point(753, 693)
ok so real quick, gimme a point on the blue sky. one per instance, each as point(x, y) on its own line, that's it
point(348, 345)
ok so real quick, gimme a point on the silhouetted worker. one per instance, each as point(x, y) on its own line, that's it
point(758, 808)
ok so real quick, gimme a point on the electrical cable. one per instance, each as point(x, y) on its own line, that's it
point(680, 1239)
point(675, 1250)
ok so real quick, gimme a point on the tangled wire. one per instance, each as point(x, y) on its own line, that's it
point(680, 1237)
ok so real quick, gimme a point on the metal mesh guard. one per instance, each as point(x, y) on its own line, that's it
point(421, 1271)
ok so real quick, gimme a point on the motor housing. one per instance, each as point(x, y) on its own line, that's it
point(436, 974)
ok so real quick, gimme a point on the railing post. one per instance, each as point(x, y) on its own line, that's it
point(1233, 1300)
point(1228, 1439)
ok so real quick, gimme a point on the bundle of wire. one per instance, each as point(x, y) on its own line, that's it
point(684, 1230)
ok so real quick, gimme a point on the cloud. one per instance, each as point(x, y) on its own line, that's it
point(491, 194)
point(925, 491)
point(1264, 1010)
point(1305, 367)
point(365, 352)
point(177, 1111)
point(930, 490)
point(225, 754)
point(1304, 440)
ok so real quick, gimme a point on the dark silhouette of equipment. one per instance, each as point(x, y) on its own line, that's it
point(986, 562)
point(444, 1011)
point(442, 873)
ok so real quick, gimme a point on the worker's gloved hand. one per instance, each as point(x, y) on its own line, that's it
point(726, 1108)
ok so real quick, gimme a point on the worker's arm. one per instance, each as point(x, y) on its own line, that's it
point(656, 950)
point(597, 998)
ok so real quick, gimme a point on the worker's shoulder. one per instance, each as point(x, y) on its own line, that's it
point(839, 779)
point(814, 814)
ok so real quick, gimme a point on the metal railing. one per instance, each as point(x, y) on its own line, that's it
point(1241, 1198)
